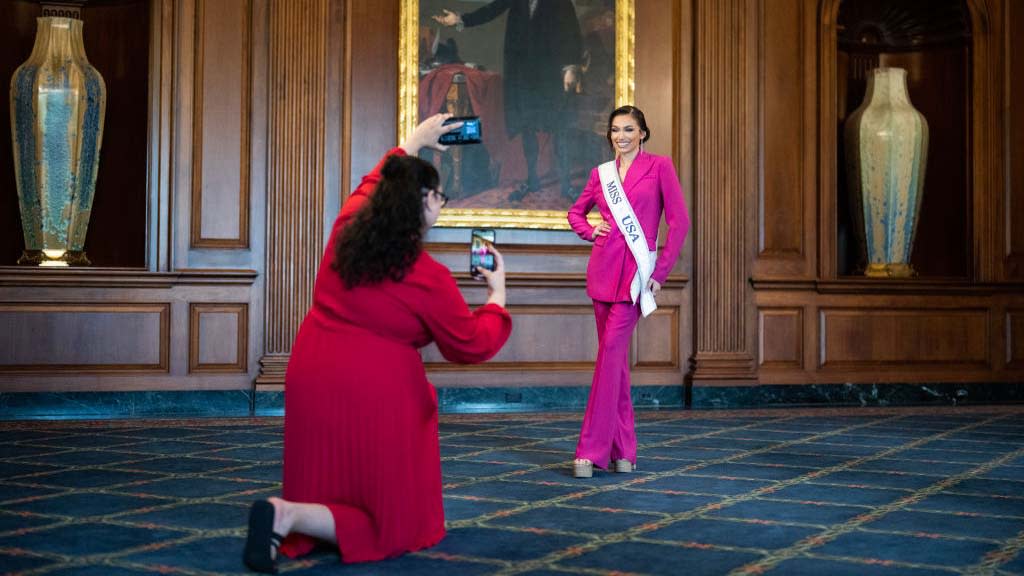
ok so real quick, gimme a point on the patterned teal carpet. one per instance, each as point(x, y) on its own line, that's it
point(852, 491)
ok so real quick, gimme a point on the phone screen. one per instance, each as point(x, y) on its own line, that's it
point(468, 133)
point(478, 254)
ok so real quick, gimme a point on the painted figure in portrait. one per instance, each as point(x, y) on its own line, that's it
point(541, 76)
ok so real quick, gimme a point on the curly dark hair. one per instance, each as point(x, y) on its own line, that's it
point(633, 112)
point(385, 237)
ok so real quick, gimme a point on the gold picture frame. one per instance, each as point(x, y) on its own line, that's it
point(408, 113)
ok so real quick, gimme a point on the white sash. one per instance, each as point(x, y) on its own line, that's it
point(631, 230)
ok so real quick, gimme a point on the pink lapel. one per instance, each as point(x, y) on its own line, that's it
point(641, 165)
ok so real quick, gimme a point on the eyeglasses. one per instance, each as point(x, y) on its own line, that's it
point(442, 195)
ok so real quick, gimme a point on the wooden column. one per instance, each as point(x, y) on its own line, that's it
point(725, 153)
point(297, 103)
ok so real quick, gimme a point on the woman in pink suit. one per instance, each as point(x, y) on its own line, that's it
point(651, 187)
point(362, 464)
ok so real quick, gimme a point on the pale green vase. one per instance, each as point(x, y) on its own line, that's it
point(886, 142)
point(58, 105)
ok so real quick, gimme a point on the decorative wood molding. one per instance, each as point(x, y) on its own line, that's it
point(727, 366)
point(987, 138)
point(196, 236)
point(512, 357)
point(828, 155)
point(725, 180)
point(162, 309)
point(196, 343)
point(296, 156)
point(780, 338)
point(782, 129)
point(23, 277)
point(1015, 339)
point(161, 119)
point(861, 285)
point(272, 370)
point(515, 249)
point(673, 362)
point(1014, 134)
point(873, 339)
point(524, 367)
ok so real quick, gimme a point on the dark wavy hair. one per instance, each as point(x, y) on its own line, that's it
point(636, 114)
point(385, 237)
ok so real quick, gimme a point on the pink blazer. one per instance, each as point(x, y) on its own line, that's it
point(652, 187)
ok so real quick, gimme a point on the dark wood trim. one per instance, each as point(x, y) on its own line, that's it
point(16, 277)
point(195, 312)
point(1014, 362)
point(161, 118)
point(856, 285)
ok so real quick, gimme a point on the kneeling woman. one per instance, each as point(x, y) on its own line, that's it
point(362, 465)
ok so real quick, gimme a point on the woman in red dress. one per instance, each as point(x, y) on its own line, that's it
point(362, 465)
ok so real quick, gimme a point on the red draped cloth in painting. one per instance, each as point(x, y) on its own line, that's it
point(360, 432)
point(484, 89)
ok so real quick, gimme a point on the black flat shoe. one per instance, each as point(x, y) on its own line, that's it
point(262, 540)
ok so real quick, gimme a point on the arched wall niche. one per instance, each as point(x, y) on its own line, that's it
point(944, 47)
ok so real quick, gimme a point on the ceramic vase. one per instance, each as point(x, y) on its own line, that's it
point(58, 104)
point(886, 141)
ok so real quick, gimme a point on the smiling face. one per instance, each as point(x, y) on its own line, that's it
point(625, 135)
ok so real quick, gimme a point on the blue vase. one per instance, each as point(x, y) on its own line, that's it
point(58, 105)
point(886, 142)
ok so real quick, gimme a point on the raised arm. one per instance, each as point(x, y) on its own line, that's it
point(485, 13)
point(676, 217)
point(425, 135)
point(361, 195)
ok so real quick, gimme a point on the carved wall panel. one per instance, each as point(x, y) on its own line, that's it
point(881, 338)
point(84, 338)
point(218, 337)
point(780, 337)
point(221, 118)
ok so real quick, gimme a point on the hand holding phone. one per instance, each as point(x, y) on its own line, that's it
point(469, 133)
point(479, 254)
point(483, 254)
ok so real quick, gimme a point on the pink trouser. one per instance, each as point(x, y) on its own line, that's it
point(608, 432)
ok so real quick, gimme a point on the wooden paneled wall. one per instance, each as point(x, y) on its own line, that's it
point(264, 114)
point(1014, 134)
point(554, 341)
point(724, 160)
point(188, 314)
point(222, 67)
point(296, 186)
point(815, 325)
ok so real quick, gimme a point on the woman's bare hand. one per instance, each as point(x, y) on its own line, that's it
point(495, 278)
point(427, 133)
point(601, 229)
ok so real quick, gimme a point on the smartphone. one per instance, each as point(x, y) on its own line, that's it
point(480, 238)
point(469, 133)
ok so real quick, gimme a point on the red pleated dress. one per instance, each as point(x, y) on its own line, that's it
point(360, 429)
